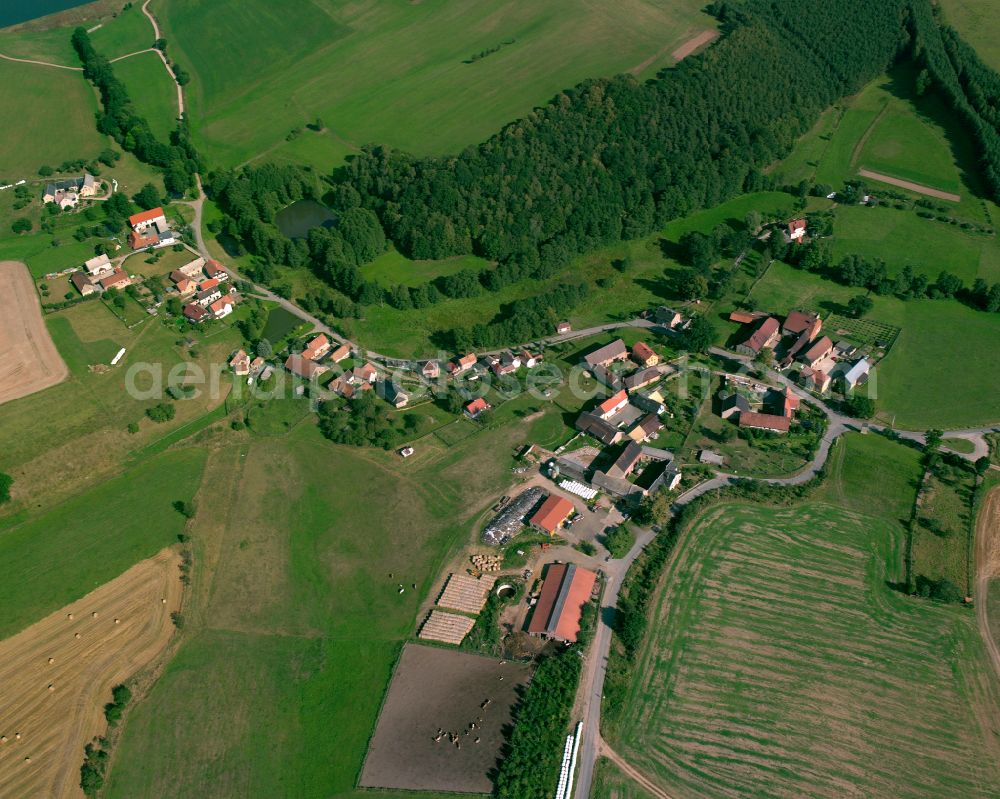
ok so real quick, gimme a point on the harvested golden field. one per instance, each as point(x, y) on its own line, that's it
point(57, 675)
point(29, 360)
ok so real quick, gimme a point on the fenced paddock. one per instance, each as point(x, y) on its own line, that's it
point(423, 740)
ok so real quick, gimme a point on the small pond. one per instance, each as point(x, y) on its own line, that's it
point(280, 323)
point(297, 219)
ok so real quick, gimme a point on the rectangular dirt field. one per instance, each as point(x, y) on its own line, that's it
point(29, 360)
point(436, 694)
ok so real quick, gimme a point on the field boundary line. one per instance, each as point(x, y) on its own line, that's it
point(40, 63)
point(856, 152)
point(909, 185)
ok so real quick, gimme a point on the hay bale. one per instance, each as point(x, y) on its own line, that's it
point(51, 661)
point(117, 621)
point(69, 615)
point(93, 615)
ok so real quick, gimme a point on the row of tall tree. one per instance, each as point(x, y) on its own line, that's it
point(119, 119)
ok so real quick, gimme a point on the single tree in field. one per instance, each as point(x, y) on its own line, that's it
point(983, 465)
point(859, 305)
point(148, 197)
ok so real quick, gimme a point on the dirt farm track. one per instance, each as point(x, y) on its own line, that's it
point(56, 676)
point(29, 360)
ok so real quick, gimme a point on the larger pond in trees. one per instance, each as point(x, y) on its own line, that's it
point(297, 219)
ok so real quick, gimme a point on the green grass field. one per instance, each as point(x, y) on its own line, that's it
point(782, 665)
point(152, 91)
point(77, 429)
point(126, 32)
point(394, 72)
point(47, 132)
point(294, 623)
point(391, 268)
point(77, 546)
point(977, 22)
point(610, 783)
point(902, 238)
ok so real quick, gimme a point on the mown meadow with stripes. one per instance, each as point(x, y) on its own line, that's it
point(781, 661)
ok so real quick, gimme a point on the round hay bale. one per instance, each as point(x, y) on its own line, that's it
point(52, 687)
point(69, 615)
point(27, 760)
point(118, 621)
point(93, 615)
point(3, 739)
point(17, 735)
point(51, 661)
point(76, 635)
point(163, 601)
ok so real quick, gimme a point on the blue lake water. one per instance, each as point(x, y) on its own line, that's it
point(14, 11)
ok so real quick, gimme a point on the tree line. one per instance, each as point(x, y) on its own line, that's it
point(119, 119)
point(529, 768)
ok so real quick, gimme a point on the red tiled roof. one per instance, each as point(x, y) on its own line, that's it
point(552, 513)
point(566, 589)
point(478, 405)
point(743, 317)
point(799, 321)
point(764, 421)
point(116, 277)
point(818, 350)
point(195, 312)
point(340, 353)
point(313, 347)
point(797, 224)
point(145, 216)
point(612, 402)
point(467, 360)
point(643, 351)
point(762, 334)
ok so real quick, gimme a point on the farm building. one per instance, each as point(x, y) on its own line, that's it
point(817, 352)
point(431, 370)
point(84, 284)
point(194, 312)
point(643, 354)
point(796, 230)
point(118, 279)
point(567, 588)
point(150, 229)
point(97, 264)
point(317, 348)
point(799, 322)
point(303, 367)
point(856, 374)
point(643, 377)
point(341, 353)
point(734, 403)
point(667, 317)
point(646, 428)
point(216, 271)
point(477, 407)
point(597, 427)
point(223, 306)
point(510, 520)
point(563, 327)
point(746, 317)
point(240, 363)
point(815, 379)
point(765, 421)
point(463, 364)
point(552, 514)
point(762, 338)
point(607, 355)
point(612, 405)
point(393, 394)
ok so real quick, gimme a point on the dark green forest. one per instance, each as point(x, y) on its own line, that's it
point(608, 160)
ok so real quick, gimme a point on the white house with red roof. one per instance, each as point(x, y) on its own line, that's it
point(477, 407)
point(796, 230)
point(612, 405)
point(223, 306)
point(317, 348)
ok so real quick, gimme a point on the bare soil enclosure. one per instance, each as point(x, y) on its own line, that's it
point(57, 675)
point(423, 739)
point(29, 360)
